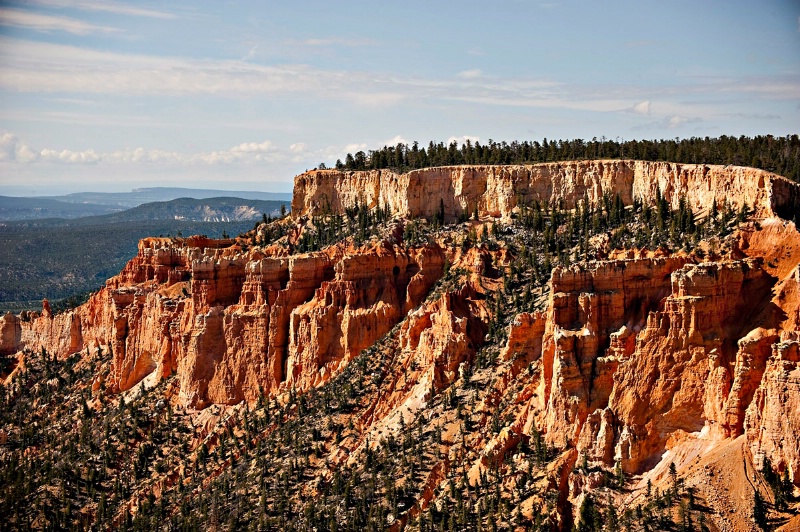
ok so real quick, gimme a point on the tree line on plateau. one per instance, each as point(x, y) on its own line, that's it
point(780, 155)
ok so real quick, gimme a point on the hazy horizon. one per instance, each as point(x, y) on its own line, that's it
point(27, 191)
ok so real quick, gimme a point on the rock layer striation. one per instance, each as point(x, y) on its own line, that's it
point(499, 190)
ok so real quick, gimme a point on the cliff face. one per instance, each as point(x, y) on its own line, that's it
point(498, 190)
point(633, 351)
point(626, 362)
point(233, 324)
point(10, 334)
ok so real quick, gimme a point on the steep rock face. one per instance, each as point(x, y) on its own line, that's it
point(629, 356)
point(772, 421)
point(233, 325)
point(526, 336)
point(680, 376)
point(498, 190)
point(435, 340)
point(589, 309)
point(10, 334)
point(368, 295)
point(633, 356)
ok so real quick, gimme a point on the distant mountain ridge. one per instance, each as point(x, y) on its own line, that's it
point(139, 196)
point(19, 208)
point(194, 210)
point(83, 204)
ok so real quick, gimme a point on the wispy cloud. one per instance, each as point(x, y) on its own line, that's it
point(669, 122)
point(251, 53)
point(642, 108)
point(109, 7)
point(754, 116)
point(46, 23)
point(470, 74)
point(28, 66)
point(16, 150)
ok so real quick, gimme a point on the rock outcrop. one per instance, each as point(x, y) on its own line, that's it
point(632, 354)
point(498, 190)
point(10, 334)
point(232, 324)
point(626, 363)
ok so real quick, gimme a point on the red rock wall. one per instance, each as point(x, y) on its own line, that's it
point(232, 323)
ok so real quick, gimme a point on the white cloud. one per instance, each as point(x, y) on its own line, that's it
point(40, 22)
point(383, 98)
point(463, 139)
point(8, 147)
point(470, 74)
point(353, 148)
point(25, 154)
point(253, 147)
point(68, 156)
point(676, 121)
point(394, 141)
point(642, 108)
point(13, 149)
point(669, 121)
point(107, 6)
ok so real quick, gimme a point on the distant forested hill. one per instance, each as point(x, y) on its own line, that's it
point(139, 196)
point(205, 208)
point(186, 209)
point(16, 208)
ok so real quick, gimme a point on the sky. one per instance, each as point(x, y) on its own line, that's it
point(110, 96)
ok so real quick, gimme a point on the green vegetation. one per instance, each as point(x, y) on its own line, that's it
point(358, 222)
point(62, 259)
point(59, 262)
point(131, 462)
point(181, 209)
point(776, 154)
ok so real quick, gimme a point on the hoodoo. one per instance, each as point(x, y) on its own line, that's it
point(507, 343)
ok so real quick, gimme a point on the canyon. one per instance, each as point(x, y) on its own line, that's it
point(634, 360)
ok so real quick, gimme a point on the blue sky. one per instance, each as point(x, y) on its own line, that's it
point(244, 95)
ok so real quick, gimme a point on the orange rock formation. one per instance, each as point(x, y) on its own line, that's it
point(630, 358)
point(498, 190)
